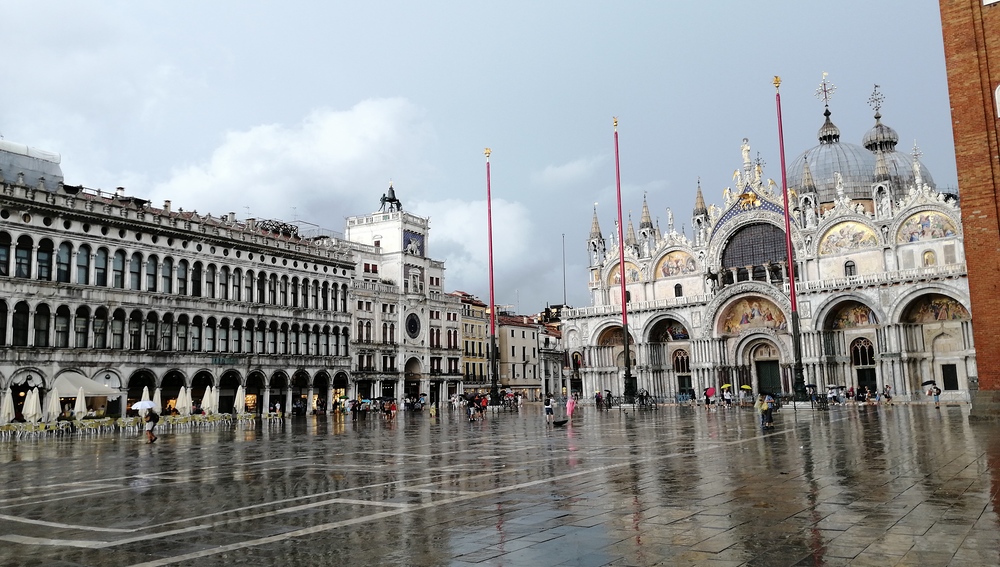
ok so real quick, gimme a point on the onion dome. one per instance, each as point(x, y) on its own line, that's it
point(880, 138)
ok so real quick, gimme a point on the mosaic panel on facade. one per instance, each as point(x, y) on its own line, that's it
point(851, 315)
point(632, 274)
point(925, 225)
point(935, 307)
point(846, 237)
point(676, 263)
point(751, 313)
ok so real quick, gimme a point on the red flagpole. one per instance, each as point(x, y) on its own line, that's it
point(799, 385)
point(630, 386)
point(494, 386)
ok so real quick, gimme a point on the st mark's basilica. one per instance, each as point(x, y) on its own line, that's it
point(881, 284)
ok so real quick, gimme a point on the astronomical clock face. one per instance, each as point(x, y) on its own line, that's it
point(413, 325)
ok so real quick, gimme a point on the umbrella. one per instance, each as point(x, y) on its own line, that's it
point(928, 383)
point(746, 387)
point(709, 391)
point(52, 407)
point(6, 407)
point(724, 386)
point(206, 401)
point(560, 422)
point(145, 393)
point(183, 403)
point(32, 409)
point(240, 404)
point(80, 409)
point(157, 406)
point(143, 404)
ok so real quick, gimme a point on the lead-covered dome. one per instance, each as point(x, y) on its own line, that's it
point(856, 164)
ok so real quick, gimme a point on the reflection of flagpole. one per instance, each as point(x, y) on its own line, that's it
point(630, 382)
point(799, 385)
point(494, 386)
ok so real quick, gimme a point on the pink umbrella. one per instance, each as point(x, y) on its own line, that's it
point(710, 392)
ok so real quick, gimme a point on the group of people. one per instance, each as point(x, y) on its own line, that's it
point(727, 398)
point(860, 396)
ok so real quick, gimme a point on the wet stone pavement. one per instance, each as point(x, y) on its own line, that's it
point(904, 485)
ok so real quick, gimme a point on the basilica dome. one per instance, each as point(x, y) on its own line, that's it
point(856, 164)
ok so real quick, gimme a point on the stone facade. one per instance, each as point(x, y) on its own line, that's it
point(882, 293)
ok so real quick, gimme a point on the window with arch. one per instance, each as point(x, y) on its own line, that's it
point(22, 257)
point(929, 258)
point(681, 361)
point(237, 279)
point(63, 259)
point(44, 258)
point(196, 274)
point(83, 265)
point(210, 284)
point(295, 292)
point(182, 333)
point(862, 352)
point(118, 270)
point(101, 268)
point(4, 254)
point(151, 273)
point(62, 327)
point(678, 291)
point(101, 328)
point(224, 282)
point(43, 318)
point(80, 327)
point(196, 328)
point(20, 324)
point(182, 277)
point(135, 331)
point(850, 268)
point(118, 330)
point(261, 287)
point(167, 279)
point(248, 291)
point(135, 272)
point(284, 292)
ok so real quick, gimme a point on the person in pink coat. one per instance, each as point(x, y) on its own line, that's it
point(570, 404)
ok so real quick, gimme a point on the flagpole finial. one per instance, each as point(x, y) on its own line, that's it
point(615, 118)
point(777, 82)
point(487, 152)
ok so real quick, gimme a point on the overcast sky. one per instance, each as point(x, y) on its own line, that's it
point(306, 110)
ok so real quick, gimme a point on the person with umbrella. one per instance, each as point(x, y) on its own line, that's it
point(151, 419)
point(709, 392)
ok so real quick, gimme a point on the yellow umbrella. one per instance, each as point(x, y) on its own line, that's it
point(724, 386)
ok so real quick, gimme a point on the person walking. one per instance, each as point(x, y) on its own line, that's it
point(152, 418)
point(768, 417)
point(936, 393)
point(570, 406)
point(548, 409)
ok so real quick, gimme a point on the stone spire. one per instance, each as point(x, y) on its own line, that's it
point(646, 221)
point(630, 239)
point(808, 185)
point(699, 202)
point(595, 227)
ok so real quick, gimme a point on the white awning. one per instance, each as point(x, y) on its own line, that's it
point(68, 384)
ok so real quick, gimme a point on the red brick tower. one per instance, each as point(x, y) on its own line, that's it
point(972, 53)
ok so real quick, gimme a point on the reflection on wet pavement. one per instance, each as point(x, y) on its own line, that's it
point(905, 485)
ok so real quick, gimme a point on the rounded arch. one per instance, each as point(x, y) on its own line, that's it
point(341, 381)
point(897, 312)
point(846, 311)
point(675, 262)
point(138, 381)
point(747, 312)
point(668, 327)
point(757, 245)
point(278, 379)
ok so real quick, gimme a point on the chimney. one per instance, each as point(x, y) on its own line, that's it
point(119, 191)
point(232, 217)
point(166, 206)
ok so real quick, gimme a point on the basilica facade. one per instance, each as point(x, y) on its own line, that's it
point(880, 278)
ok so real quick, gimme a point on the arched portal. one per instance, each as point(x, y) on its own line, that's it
point(255, 392)
point(228, 384)
point(300, 391)
point(323, 398)
point(139, 380)
point(170, 386)
point(201, 381)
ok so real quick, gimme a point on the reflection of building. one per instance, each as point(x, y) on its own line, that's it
point(106, 287)
point(971, 30)
point(406, 340)
point(883, 298)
